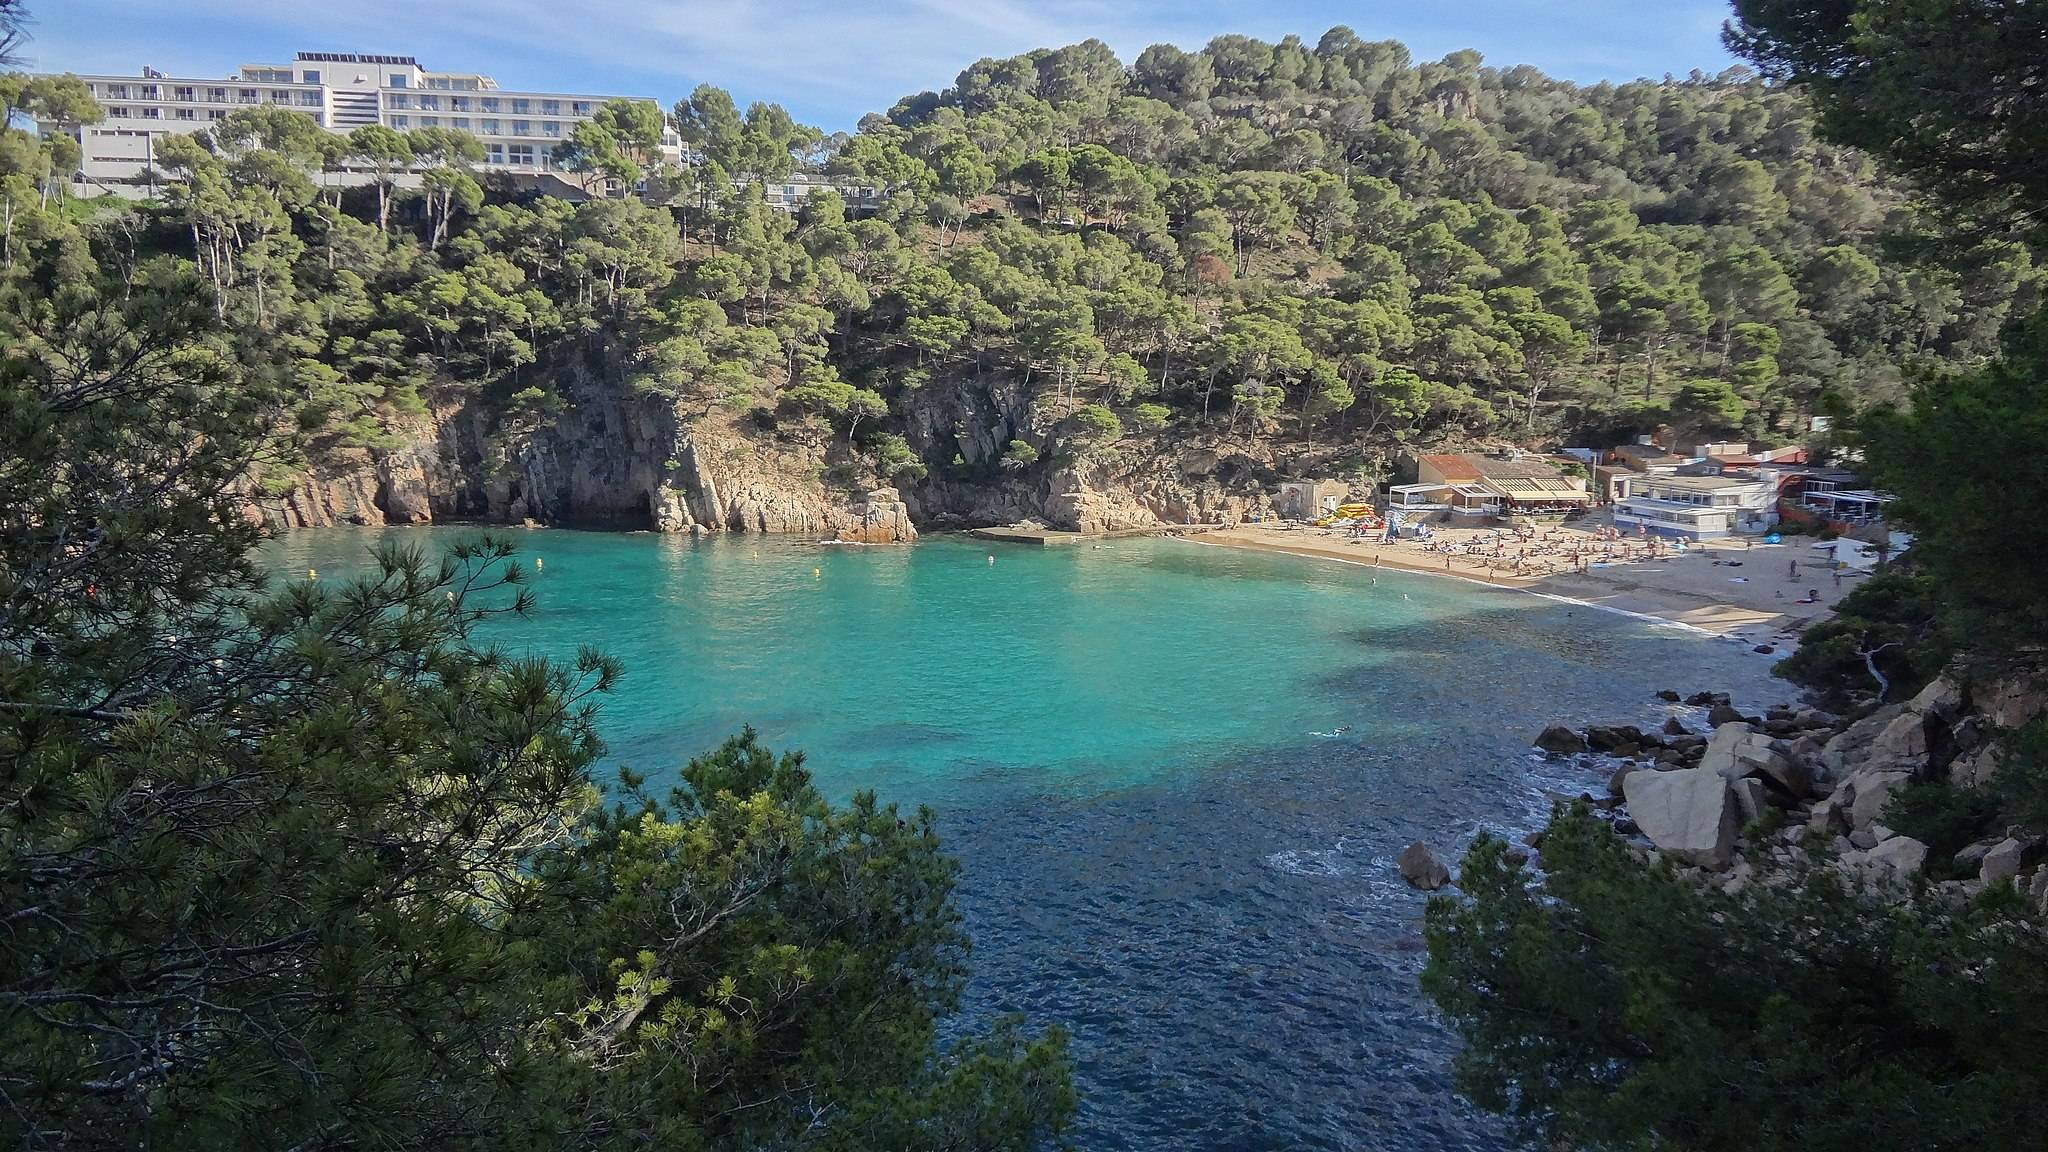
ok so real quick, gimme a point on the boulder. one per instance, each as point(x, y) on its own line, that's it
point(1620, 774)
point(1706, 699)
point(1675, 727)
point(1942, 699)
point(1902, 854)
point(1560, 740)
point(1689, 814)
point(1736, 752)
point(2003, 861)
point(1612, 739)
point(1421, 869)
point(1974, 854)
point(1868, 791)
point(1752, 799)
point(1721, 714)
point(1977, 769)
point(1668, 694)
point(1830, 814)
point(1845, 750)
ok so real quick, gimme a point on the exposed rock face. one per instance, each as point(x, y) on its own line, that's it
point(1421, 869)
point(1689, 814)
point(614, 458)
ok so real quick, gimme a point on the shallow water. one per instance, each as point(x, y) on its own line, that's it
point(1122, 742)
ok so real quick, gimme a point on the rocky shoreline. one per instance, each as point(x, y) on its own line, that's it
point(1743, 799)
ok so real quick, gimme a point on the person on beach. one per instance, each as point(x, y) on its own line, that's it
point(1795, 570)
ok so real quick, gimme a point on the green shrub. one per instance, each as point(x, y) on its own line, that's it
point(1019, 455)
point(1150, 417)
point(1096, 425)
point(1940, 815)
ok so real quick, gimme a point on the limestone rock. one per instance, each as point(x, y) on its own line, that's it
point(1421, 869)
point(1688, 813)
point(1869, 790)
point(1845, 750)
point(1559, 739)
point(1902, 854)
point(1978, 769)
point(1943, 698)
point(2003, 861)
point(1736, 752)
point(1752, 799)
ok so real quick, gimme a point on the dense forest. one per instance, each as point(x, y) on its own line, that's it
point(1331, 244)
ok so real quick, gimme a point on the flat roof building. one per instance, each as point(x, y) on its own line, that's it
point(343, 91)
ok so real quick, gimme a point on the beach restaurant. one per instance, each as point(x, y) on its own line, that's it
point(1469, 484)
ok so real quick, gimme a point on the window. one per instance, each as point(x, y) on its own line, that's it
point(488, 127)
point(522, 154)
point(216, 114)
point(280, 96)
point(309, 99)
point(310, 76)
point(461, 122)
point(398, 80)
point(401, 121)
point(182, 94)
point(152, 113)
point(580, 108)
point(458, 103)
point(430, 102)
point(117, 91)
point(117, 113)
point(494, 153)
point(184, 114)
point(551, 107)
point(522, 127)
point(217, 95)
point(430, 121)
point(521, 106)
point(396, 100)
point(490, 103)
point(148, 92)
point(246, 96)
point(552, 128)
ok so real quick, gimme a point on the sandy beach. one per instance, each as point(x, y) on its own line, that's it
point(1731, 587)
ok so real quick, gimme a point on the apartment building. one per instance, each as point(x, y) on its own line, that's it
point(343, 91)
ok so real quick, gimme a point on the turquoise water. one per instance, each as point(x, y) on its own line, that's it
point(1135, 749)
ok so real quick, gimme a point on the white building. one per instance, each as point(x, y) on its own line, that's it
point(1696, 507)
point(343, 91)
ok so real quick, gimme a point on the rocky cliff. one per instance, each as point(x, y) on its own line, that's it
point(608, 458)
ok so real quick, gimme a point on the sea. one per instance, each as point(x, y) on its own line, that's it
point(1176, 777)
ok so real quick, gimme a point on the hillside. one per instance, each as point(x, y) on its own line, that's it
point(1086, 291)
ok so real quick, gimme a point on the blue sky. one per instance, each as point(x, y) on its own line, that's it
point(829, 61)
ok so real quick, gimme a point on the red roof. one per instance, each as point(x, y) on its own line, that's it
point(1453, 468)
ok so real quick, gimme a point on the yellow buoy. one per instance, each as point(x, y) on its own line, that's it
point(817, 571)
point(312, 575)
point(539, 563)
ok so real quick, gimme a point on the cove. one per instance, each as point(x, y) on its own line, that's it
point(1159, 851)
